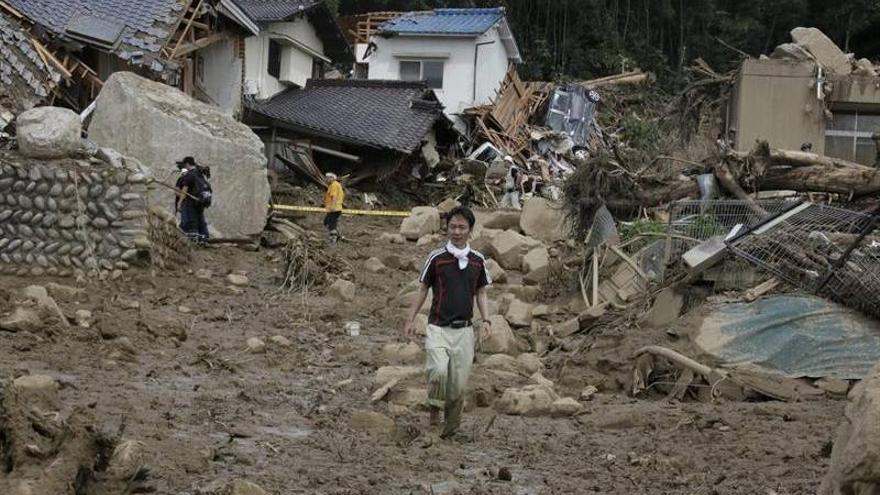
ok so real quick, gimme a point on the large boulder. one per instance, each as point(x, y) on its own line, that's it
point(481, 239)
point(542, 220)
point(855, 458)
point(519, 314)
point(159, 125)
point(509, 248)
point(499, 276)
point(423, 220)
point(498, 219)
point(48, 132)
point(536, 266)
point(825, 51)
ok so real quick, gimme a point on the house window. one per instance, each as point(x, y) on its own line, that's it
point(430, 71)
point(317, 69)
point(848, 136)
point(274, 67)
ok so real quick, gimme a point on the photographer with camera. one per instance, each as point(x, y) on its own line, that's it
point(194, 194)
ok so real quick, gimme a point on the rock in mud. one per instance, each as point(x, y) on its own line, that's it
point(48, 132)
point(519, 314)
point(530, 362)
point(243, 487)
point(423, 220)
point(256, 345)
point(47, 306)
point(499, 276)
point(387, 373)
point(63, 292)
point(281, 341)
point(531, 400)
point(855, 458)
point(83, 318)
point(127, 458)
point(374, 265)
point(371, 422)
point(538, 379)
point(536, 266)
point(542, 220)
point(342, 290)
point(502, 362)
point(408, 353)
point(22, 320)
point(37, 389)
point(392, 238)
point(204, 274)
point(509, 247)
point(565, 407)
point(238, 280)
point(409, 397)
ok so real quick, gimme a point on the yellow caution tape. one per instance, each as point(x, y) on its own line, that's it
point(315, 209)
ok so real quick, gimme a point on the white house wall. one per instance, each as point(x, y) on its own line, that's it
point(222, 75)
point(458, 70)
point(296, 65)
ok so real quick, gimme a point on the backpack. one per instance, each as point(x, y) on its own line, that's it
point(203, 188)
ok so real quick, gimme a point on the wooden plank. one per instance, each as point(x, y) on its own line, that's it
point(201, 43)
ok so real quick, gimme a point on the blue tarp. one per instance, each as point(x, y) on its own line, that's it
point(795, 335)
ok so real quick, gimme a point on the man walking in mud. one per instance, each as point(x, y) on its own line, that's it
point(333, 198)
point(457, 276)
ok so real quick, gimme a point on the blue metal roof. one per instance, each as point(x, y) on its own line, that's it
point(445, 21)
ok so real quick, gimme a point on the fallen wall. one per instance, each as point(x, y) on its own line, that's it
point(159, 125)
point(71, 217)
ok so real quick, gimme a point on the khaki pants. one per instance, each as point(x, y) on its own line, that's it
point(450, 356)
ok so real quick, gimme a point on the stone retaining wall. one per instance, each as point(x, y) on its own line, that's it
point(71, 217)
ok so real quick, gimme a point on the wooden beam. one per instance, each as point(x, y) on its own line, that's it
point(186, 29)
point(11, 9)
point(200, 43)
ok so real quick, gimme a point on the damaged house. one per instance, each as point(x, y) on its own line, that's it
point(462, 54)
point(214, 50)
point(808, 94)
point(357, 126)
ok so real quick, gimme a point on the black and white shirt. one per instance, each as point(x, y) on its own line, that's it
point(453, 288)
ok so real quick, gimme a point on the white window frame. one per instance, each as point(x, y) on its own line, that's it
point(421, 62)
point(854, 135)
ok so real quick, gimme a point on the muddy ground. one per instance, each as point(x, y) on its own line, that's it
point(208, 411)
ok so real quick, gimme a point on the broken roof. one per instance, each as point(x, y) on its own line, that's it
point(26, 80)
point(454, 22)
point(317, 12)
point(131, 30)
point(392, 115)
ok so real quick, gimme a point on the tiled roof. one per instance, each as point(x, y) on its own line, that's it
point(26, 80)
point(390, 115)
point(143, 25)
point(274, 10)
point(445, 21)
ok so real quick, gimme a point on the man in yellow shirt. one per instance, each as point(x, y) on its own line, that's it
point(333, 204)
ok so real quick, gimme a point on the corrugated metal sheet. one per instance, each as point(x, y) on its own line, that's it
point(795, 335)
point(445, 21)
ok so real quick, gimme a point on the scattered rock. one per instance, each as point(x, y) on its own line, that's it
point(402, 373)
point(22, 320)
point(499, 276)
point(371, 422)
point(48, 132)
point(447, 205)
point(504, 474)
point(281, 341)
point(509, 248)
point(539, 379)
point(536, 266)
point(127, 458)
point(256, 345)
point(37, 389)
point(374, 265)
point(565, 407)
point(531, 400)
point(825, 51)
point(392, 238)
point(408, 353)
point(423, 220)
point(498, 219)
point(204, 274)
point(409, 397)
point(530, 362)
point(502, 362)
point(83, 318)
point(665, 310)
point(238, 280)
point(184, 309)
point(47, 306)
point(353, 328)
point(393, 261)
point(500, 339)
point(542, 220)
point(519, 314)
point(855, 457)
point(129, 304)
point(343, 290)
point(481, 240)
point(588, 392)
point(242, 487)
point(427, 240)
point(791, 51)
point(63, 292)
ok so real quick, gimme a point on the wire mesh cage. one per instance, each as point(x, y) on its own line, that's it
point(821, 249)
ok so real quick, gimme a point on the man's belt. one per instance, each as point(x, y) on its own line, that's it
point(460, 323)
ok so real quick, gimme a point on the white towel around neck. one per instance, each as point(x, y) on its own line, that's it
point(460, 254)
